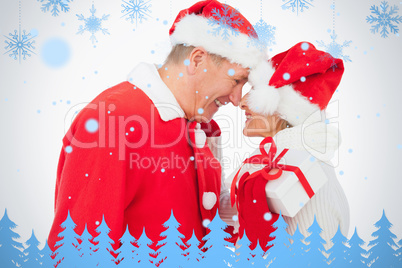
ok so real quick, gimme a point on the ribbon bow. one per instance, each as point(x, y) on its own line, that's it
point(268, 159)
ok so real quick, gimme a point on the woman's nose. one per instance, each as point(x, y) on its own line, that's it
point(243, 102)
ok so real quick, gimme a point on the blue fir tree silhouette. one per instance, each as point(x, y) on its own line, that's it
point(356, 254)
point(259, 259)
point(382, 253)
point(193, 253)
point(126, 250)
point(144, 252)
point(244, 257)
point(10, 249)
point(103, 248)
point(46, 253)
point(339, 250)
point(67, 253)
point(86, 250)
point(31, 252)
point(315, 245)
point(278, 252)
point(171, 253)
point(217, 252)
point(298, 250)
point(399, 253)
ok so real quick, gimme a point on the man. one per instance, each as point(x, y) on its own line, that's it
point(136, 152)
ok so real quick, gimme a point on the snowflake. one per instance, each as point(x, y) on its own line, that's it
point(137, 10)
point(19, 44)
point(266, 35)
point(92, 24)
point(384, 19)
point(297, 5)
point(225, 24)
point(55, 6)
point(334, 49)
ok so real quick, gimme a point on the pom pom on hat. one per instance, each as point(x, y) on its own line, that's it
point(263, 99)
point(305, 79)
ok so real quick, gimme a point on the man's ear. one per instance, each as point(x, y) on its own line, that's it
point(198, 58)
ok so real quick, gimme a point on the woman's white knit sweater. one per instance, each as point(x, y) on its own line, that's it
point(329, 204)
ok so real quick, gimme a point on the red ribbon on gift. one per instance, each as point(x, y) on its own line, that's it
point(268, 159)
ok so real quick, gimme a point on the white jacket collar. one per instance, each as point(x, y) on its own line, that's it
point(146, 77)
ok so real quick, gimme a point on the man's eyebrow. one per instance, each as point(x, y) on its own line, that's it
point(241, 77)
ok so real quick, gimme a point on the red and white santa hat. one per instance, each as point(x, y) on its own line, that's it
point(305, 79)
point(222, 30)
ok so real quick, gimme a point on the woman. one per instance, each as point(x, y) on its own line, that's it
point(300, 82)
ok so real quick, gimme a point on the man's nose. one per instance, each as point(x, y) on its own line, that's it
point(235, 97)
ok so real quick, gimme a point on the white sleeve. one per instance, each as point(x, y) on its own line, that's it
point(226, 211)
point(330, 207)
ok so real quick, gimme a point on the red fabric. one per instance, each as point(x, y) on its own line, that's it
point(323, 72)
point(206, 9)
point(252, 208)
point(211, 129)
point(207, 181)
point(251, 198)
point(126, 186)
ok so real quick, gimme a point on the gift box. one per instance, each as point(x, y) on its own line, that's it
point(287, 194)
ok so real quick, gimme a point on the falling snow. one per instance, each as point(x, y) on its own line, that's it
point(19, 44)
point(92, 24)
point(384, 19)
point(224, 22)
point(335, 49)
point(55, 5)
point(266, 35)
point(136, 10)
point(297, 5)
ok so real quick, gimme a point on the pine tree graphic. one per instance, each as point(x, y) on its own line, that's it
point(298, 250)
point(103, 249)
point(339, 250)
point(244, 257)
point(67, 253)
point(144, 252)
point(46, 253)
point(86, 250)
point(171, 253)
point(126, 250)
point(399, 252)
point(315, 245)
point(356, 254)
point(32, 253)
point(259, 259)
point(10, 250)
point(381, 252)
point(217, 254)
point(193, 253)
point(279, 252)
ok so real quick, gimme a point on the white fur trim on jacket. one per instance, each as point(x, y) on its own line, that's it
point(194, 30)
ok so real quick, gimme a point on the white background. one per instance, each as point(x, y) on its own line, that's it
point(30, 142)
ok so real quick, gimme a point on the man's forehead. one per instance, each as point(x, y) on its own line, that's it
point(242, 74)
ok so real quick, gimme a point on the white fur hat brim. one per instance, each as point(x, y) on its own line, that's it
point(196, 31)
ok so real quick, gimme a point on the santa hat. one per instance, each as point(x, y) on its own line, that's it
point(222, 30)
point(305, 79)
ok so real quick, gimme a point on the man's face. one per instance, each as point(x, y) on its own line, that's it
point(217, 86)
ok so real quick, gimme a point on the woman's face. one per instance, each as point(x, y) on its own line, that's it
point(258, 125)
